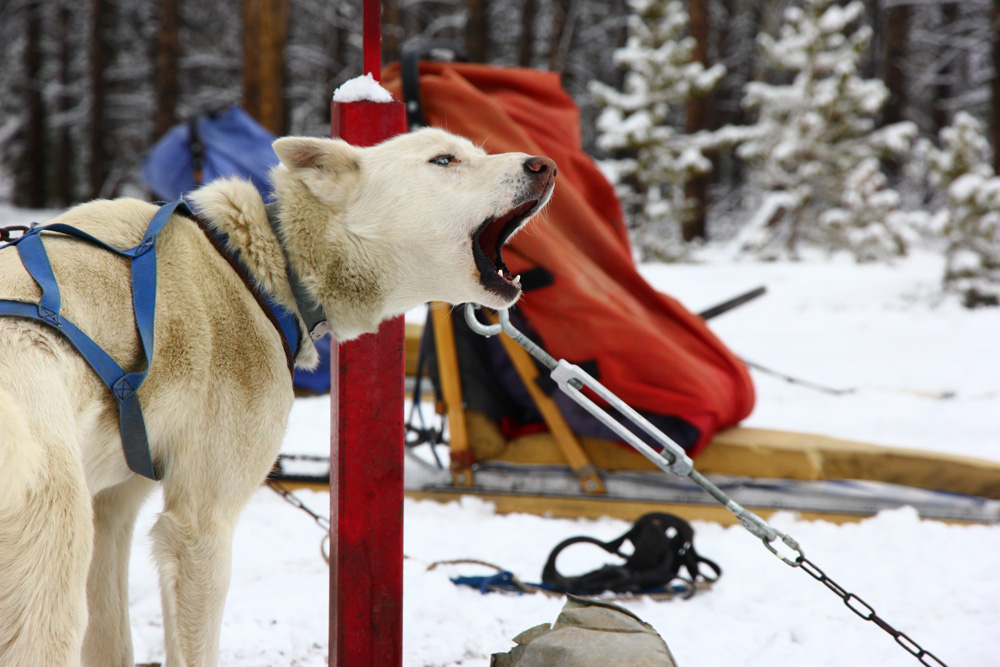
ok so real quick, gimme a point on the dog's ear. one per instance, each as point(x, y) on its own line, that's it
point(328, 168)
point(332, 155)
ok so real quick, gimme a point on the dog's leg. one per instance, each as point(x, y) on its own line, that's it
point(46, 538)
point(193, 547)
point(108, 642)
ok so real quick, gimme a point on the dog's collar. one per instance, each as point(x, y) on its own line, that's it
point(313, 315)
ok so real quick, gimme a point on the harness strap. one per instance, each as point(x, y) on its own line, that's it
point(123, 385)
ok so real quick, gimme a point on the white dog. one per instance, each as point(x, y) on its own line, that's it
point(370, 233)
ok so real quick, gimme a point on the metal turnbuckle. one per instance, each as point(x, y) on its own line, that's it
point(572, 379)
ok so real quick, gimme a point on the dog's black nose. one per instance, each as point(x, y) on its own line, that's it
point(540, 165)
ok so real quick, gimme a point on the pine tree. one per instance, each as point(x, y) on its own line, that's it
point(815, 132)
point(969, 221)
point(868, 221)
point(652, 160)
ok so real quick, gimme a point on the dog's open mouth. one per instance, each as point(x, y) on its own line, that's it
point(487, 248)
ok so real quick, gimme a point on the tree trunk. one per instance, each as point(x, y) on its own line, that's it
point(737, 47)
point(34, 190)
point(102, 26)
point(872, 58)
point(265, 32)
point(696, 120)
point(341, 50)
point(477, 30)
point(166, 64)
point(897, 28)
point(995, 88)
point(64, 144)
point(526, 45)
point(561, 25)
point(392, 28)
point(943, 89)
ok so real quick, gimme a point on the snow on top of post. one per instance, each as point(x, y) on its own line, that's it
point(362, 89)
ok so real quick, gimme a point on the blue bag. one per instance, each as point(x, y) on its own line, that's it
point(225, 143)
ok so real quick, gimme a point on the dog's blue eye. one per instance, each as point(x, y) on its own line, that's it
point(443, 160)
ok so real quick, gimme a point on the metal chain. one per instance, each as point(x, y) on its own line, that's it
point(867, 612)
point(752, 522)
point(673, 459)
point(293, 500)
point(5, 232)
point(315, 458)
point(320, 520)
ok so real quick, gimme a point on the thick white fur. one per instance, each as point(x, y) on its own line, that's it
point(373, 232)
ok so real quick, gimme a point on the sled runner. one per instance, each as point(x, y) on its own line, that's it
point(560, 473)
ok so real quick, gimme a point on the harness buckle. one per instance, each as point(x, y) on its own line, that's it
point(49, 315)
point(122, 388)
point(144, 247)
point(321, 329)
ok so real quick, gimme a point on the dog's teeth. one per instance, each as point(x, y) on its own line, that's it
point(500, 272)
point(517, 279)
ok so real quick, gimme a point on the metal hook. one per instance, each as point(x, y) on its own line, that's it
point(508, 328)
point(486, 330)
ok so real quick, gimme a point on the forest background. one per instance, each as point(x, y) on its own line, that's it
point(771, 124)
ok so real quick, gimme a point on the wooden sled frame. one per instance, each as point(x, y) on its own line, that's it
point(738, 451)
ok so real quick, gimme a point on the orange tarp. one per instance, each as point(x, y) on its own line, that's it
point(649, 349)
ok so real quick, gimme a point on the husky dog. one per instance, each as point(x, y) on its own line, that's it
point(370, 233)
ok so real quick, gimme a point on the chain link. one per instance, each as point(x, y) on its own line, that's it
point(312, 458)
point(5, 232)
point(867, 612)
point(295, 501)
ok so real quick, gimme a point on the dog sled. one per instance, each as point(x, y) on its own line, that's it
point(558, 472)
point(515, 441)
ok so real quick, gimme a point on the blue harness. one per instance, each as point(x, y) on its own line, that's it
point(124, 385)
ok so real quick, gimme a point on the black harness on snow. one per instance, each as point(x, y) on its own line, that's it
point(662, 545)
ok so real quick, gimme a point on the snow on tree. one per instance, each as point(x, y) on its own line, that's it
point(652, 160)
point(868, 221)
point(969, 220)
point(816, 137)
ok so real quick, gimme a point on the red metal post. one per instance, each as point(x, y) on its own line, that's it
point(366, 461)
point(372, 36)
point(366, 448)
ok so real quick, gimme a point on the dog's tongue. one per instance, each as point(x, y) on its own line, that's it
point(493, 238)
point(488, 240)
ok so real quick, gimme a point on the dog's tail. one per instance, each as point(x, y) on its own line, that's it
point(21, 459)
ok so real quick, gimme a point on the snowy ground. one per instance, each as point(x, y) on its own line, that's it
point(882, 330)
